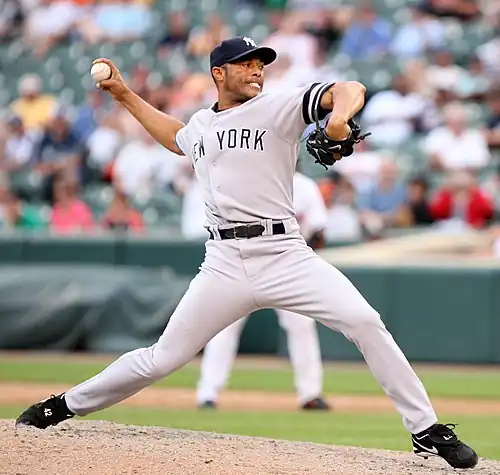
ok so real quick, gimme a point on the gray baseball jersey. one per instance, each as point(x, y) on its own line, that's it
point(245, 160)
point(245, 157)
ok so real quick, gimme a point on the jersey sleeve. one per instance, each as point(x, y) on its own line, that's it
point(182, 140)
point(296, 108)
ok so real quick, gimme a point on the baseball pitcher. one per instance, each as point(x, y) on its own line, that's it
point(244, 150)
point(302, 337)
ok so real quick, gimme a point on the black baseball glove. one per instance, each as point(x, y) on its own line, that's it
point(323, 148)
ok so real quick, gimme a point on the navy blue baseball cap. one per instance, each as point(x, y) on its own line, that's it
point(239, 48)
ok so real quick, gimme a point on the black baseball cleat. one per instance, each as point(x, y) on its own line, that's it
point(316, 404)
point(207, 405)
point(440, 440)
point(48, 412)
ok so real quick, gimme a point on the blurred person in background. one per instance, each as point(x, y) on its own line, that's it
point(328, 24)
point(193, 216)
point(12, 18)
point(489, 53)
point(121, 215)
point(293, 40)
point(476, 83)
point(159, 97)
point(69, 214)
point(177, 34)
point(190, 93)
point(364, 168)
point(104, 143)
point(18, 215)
point(490, 10)
point(395, 115)
point(343, 223)
point(443, 73)
point(19, 145)
point(492, 130)
point(368, 36)
point(416, 210)
point(49, 22)
point(419, 35)
point(143, 164)
point(491, 187)
point(456, 146)
point(58, 151)
point(463, 10)
point(202, 40)
point(89, 113)
point(33, 106)
point(381, 203)
point(115, 21)
point(460, 203)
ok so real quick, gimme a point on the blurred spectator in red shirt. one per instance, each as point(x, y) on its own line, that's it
point(121, 215)
point(462, 201)
point(70, 214)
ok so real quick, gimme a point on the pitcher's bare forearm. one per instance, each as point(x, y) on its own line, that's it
point(162, 127)
point(346, 99)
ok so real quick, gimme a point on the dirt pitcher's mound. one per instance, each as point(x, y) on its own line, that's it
point(103, 448)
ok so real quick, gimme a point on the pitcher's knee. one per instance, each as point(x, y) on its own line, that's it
point(367, 318)
point(164, 362)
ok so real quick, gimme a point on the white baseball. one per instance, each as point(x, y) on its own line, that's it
point(100, 72)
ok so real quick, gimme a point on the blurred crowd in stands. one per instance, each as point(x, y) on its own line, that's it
point(434, 114)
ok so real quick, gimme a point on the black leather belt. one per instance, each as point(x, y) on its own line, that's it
point(247, 231)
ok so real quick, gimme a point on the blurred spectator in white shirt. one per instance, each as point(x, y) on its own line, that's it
point(476, 83)
point(343, 222)
point(291, 39)
point(19, 145)
point(417, 36)
point(489, 53)
point(455, 146)
point(362, 168)
point(310, 209)
point(193, 215)
point(393, 116)
point(50, 22)
point(144, 164)
point(443, 73)
point(368, 36)
point(104, 142)
point(490, 10)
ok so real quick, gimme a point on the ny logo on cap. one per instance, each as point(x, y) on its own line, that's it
point(249, 41)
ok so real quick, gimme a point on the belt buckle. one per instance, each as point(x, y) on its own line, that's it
point(244, 234)
point(247, 231)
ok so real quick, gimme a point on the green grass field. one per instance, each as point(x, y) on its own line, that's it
point(378, 430)
point(439, 383)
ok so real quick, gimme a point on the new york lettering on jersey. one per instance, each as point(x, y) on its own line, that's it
point(245, 139)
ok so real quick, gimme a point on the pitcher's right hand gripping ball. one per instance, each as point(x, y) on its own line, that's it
point(326, 150)
point(115, 84)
